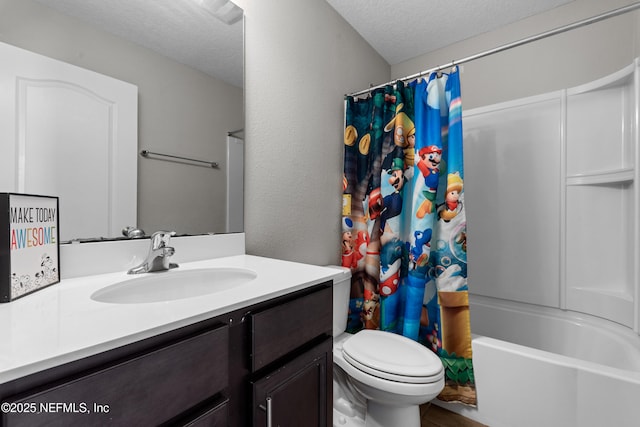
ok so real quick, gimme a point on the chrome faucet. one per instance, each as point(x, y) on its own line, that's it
point(159, 254)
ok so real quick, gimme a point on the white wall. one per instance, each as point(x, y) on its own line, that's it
point(565, 60)
point(301, 58)
point(181, 111)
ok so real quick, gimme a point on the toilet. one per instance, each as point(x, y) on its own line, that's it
point(380, 379)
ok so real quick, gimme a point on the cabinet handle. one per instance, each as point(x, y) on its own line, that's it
point(268, 412)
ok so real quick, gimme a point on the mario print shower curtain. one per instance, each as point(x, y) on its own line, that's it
point(403, 221)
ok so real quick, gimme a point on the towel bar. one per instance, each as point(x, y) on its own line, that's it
point(147, 153)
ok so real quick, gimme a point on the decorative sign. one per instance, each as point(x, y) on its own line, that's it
point(29, 248)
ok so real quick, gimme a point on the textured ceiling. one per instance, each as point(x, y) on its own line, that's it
point(403, 29)
point(179, 29)
point(397, 29)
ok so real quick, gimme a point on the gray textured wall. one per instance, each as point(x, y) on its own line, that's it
point(301, 58)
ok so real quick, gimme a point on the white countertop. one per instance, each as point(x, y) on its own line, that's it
point(62, 323)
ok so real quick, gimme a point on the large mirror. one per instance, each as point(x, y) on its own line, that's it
point(187, 66)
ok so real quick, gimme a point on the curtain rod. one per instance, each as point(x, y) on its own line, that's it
point(511, 45)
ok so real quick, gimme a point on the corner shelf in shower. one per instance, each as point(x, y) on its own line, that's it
point(600, 224)
point(618, 176)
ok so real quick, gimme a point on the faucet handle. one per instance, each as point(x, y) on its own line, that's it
point(132, 232)
point(160, 239)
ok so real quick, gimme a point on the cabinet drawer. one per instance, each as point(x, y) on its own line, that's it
point(144, 390)
point(279, 330)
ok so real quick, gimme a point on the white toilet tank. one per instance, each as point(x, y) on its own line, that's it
point(341, 290)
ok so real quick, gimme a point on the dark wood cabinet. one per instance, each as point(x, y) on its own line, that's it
point(295, 394)
point(292, 362)
point(214, 413)
point(218, 372)
point(147, 389)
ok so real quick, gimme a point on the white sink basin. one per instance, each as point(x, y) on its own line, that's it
point(173, 285)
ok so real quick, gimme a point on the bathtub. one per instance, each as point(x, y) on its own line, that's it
point(537, 366)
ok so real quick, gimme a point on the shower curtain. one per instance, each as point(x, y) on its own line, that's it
point(403, 221)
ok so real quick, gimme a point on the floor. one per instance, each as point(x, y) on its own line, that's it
point(434, 416)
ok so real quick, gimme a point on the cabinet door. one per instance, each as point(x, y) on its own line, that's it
point(298, 393)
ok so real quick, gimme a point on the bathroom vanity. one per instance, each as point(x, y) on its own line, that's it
point(242, 356)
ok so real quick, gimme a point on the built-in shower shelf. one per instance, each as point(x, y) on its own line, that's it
point(619, 176)
point(600, 211)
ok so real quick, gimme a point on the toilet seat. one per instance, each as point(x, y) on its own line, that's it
point(392, 357)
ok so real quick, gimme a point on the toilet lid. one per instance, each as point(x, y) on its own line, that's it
point(393, 357)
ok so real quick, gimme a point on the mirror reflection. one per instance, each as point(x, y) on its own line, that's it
point(187, 67)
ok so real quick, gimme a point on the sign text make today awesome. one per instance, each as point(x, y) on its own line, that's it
point(25, 236)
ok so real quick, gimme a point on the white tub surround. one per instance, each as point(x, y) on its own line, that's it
point(566, 230)
point(62, 323)
point(553, 267)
